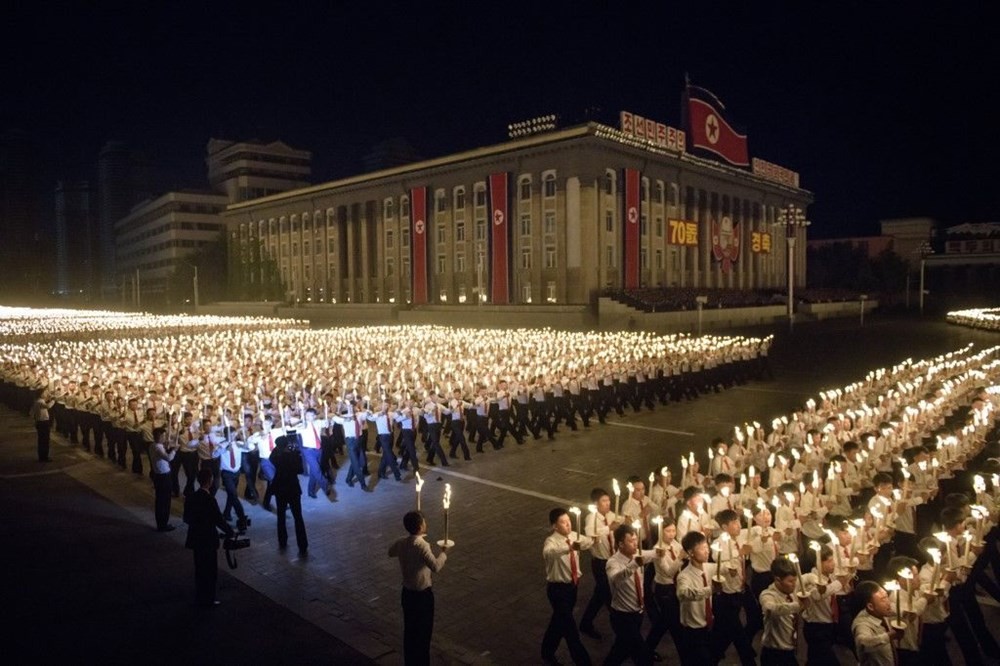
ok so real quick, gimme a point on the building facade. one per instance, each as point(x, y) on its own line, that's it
point(163, 232)
point(548, 218)
point(249, 169)
point(76, 242)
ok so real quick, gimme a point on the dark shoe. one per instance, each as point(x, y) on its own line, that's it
point(552, 661)
point(591, 632)
point(313, 495)
point(468, 457)
point(45, 460)
point(399, 478)
point(350, 483)
point(267, 506)
point(166, 528)
point(282, 546)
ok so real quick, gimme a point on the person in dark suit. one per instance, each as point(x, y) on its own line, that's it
point(203, 518)
point(287, 463)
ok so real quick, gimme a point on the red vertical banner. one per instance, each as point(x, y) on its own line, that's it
point(418, 243)
point(630, 264)
point(499, 239)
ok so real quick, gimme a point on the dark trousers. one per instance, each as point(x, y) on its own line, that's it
point(407, 442)
point(293, 502)
point(206, 573)
point(458, 440)
point(562, 598)
point(601, 598)
point(932, 644)
point(729, 629)
point(669, 618)
point(267, 471)
point(161, 499)
point(250, 466)
point(357, 456)
point(230, 483)
point(418, 625)
point(44, 429)
point(434, 445)
point(697, 646)
point(388, 461)
point(189, 463)
point(316, 480)
point(628, 640)
point(216, 467)
point(118, 445)
point(137, 446)
point(775, 657)
point(819, 643)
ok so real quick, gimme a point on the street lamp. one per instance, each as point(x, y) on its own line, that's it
point(791, 217)
point(195, 283)
point(924, 249)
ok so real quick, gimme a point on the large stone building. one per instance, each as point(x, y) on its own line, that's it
point(551, 217)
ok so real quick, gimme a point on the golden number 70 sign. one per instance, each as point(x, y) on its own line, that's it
point(683, 232)
point(760, 242)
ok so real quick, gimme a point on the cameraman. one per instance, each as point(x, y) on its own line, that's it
point(203, 518)
point(161, 455)
point(287, 463)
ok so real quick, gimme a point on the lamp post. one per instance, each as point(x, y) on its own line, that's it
point(924, 249)
point(195, 284)
point(791, 217)
point(863, 298)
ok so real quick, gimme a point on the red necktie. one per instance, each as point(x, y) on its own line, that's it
point(316, 435)
point(637, 581)
point(270, 442)
point(574, 572)
point(611, 542)
point(834, 610)
point(709, 618)
point(232, 455)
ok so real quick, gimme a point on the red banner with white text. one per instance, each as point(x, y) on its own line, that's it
point(630, 264)
point(418, 243)
point(499, 240)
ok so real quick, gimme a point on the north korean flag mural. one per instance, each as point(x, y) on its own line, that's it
point(499, 240)
point(630, 262)
point(418, 243)
point(709, 132)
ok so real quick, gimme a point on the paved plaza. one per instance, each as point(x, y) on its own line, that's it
point(86, 577)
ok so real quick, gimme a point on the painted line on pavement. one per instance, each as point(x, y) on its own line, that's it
point(578, 471)
point(632, 425)
point(48, 472)
point(497, 484)
point(765, 390)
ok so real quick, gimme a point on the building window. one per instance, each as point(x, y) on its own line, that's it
point(659, 260)
point(549, 185)
point(442, 263)
point(644, 190)
point(306, 222)
point(659, 191)
point(330, 247)
point(306, 248)
point(460, 232)
point(295, 249)
point(609, 182)
point(330, 219)
point(405, 263)
point(524, 225)
point(390, 266)
point(440, 203)
point(659, 227)
point(526, 292)
point(460, 262)
point(295, 224)
point(609, 256)
point(440, 234)
point(404, 238)
point(549, 222)
point(462, 297)
point(673, 195)
point(389, 239)
point(525, 258)
point(459, 198)
point(644, 258)
point(524, 188)
point(443, 295)
point(550, 256)
point(404, 206)
point(480, 195)
point(387, 209)
point(643, 224)
point(609, 221)
point(550, 292)
point(480, 230)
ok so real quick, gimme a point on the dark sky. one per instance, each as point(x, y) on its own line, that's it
point(886, 109)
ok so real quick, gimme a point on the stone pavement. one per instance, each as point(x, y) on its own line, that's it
point(83, 557)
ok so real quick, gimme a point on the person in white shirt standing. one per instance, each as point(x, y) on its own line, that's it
point(43, 424)
point(781, 608)
point(562, 575)
point(599, 526)
point(625, 576)
point(695, 584)
point(416, 562)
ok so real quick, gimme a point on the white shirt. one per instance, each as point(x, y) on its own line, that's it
point(694, 588)
point(871, 640)
point(625, 578)
point(668, 566)
point(820, 609)
point(779, 619)
point(598, 528)
point(416, 561)
point(556, 552)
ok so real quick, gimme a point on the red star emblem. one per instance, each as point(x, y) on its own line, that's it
point(633, 215)
point(498, 217)
point(418, 226)
point(712, 128)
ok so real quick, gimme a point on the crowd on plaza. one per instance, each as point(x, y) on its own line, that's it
point(868, 520)
point(987, 318)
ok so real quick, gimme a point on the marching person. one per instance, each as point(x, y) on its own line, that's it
point(160, 455)
point(43, 424)
point(599, 526)
point(873, 639)
point(781, 609)
point(562, 575)
point(625, 576)
point(416, 562)
point(695, 585)
point(231, 463)
point(383, 420)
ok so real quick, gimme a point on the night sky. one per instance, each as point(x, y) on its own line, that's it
point(885, 109)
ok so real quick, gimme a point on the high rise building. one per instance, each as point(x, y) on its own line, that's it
point(76, 241)
point(122, 176)
point(24, 253)
point(251, 169)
